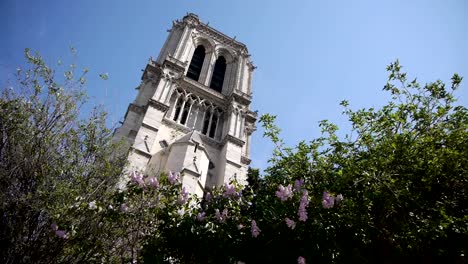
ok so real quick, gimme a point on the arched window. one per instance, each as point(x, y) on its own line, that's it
point(206, 122)
point(218, 74)
point(196, 63)
point(185, 113)
point(214, 122)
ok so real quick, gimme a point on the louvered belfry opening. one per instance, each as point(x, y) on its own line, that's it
point(218, 74)
point(196, 64)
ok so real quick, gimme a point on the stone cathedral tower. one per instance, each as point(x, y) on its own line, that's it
point(192, 112)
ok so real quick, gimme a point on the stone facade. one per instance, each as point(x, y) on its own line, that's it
point(179, 123)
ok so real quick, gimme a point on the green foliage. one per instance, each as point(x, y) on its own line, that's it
point(396, 186)
point(52, 165)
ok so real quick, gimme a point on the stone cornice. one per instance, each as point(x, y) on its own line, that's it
point(232, 139)
point(174, 125)
point(251, 116)
point(174, 64)
point(210, 141)
point(199, 89)
point(233, 163)
point(241, 97)
point(245, 160)
point(192, 20)
point(158, 105)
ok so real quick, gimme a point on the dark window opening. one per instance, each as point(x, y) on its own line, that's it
point(206, 123)
point(196, 64)
point(218, 74)
point(213, 127)
point(184, 114)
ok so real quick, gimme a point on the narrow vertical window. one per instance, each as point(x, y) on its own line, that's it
point(183, 120)
point(218, 74)
point(206, 122)
point(177, 109)
point(213, 126)
point(196, 64)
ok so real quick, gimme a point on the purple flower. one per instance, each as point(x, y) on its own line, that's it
point(240, 226)
point(201, 216)
point(153, 182)
point(221, 217)
point(339, 198)
point(123, 208)
point(301, 260)
point(230, 190)
point(255, 230)
point(183, 196)
point(298, 185)
point(54, 226)
point(137, 178)
point(208, 196)
point(61, 234)
point(173, 177)
point(302, 212)
point(284, 193)
point(290, 223)
point(327, 200)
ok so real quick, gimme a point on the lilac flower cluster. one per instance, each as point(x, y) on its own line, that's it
point(137, 177)
point(153, 182)
point(284, 193)
point(328, 200)
point(183, 196)
point(60, 233)
point(301, 260)
point(230, 190)
point(290, 223)
point(298, 184)
point(221, 217)
point(302, 212)
point(254, 229)
point(173, 177)
point(201, 216)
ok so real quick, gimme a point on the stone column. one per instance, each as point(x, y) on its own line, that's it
point(180, 45)
point(181, 110)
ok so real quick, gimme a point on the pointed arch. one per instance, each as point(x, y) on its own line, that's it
point(218, 74)
point(196, 64)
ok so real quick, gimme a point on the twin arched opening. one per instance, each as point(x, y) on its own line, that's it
point(196, 65)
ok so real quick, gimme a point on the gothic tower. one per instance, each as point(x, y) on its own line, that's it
point(192, 112)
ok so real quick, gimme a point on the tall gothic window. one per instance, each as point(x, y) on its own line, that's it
point(206, 122)
point(185, 113)
point(213, 126)
point(196, 64)
point(218, 74)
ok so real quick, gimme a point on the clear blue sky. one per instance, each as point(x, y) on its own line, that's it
point(310, 54)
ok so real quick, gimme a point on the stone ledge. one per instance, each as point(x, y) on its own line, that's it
point(245, 160)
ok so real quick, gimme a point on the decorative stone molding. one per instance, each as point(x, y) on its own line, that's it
point(241, 97)
point(205, 92)
point(245, 160)
point(210, 141)
point(233, 163)
point(155, 129)
point(172, 124)
point(158, 105)
point(232, 139)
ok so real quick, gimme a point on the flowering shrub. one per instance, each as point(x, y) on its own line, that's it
point(396, 187)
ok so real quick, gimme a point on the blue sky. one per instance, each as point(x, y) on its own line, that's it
point(310, 54)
